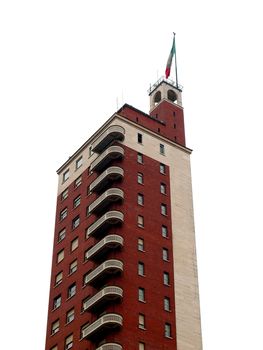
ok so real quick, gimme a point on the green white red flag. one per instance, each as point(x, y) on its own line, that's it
point(170, 60)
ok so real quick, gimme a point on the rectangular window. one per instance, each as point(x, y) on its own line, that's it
point(163, 209)
point(140, 244)
point(141, 346)
point(141, 269)
point(63, 214)
point(79, 162)
point(141, 321)
point(139, 138)
point(58, 278)
point(75, 222)
point(55, 327)
point(162, 149)
point(167, 330)
point(140, 199)
point(64, 194)
point(140, 178)
point(165, 254)
point(166, 304)
point(162, 168)
point(57, 302)
point(70, 316)
point(164, 231)
point(90, 151)
point(61, 234)
point(54, 348)
point(72, 290)
point(65, 175)
point(163, 188)
point(83, 328)
point(141, 294)
point(166, 279)
point(60, 256)
point(140, 221)
point(140, 158)
point(74, 244)
point(69, 342)
point(78, 181)
point(76, 201)
point(73, 266)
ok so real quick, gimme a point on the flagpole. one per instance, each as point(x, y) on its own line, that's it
point(176, 76)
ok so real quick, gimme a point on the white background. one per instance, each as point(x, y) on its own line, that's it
point(64, 66)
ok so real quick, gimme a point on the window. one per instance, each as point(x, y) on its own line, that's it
point(141, 346)
point(78, 181)
point(141, 269)
point(163, 188)
point(64, 194)
point(57, 302)
point(73, 266)
point(163, 209)
point(162, 149)
point(140, 221)
point(72, 290)
point(141, 294)
point(174, 126)
point(69, 342)
point(165, 254)
point(140, 244)
point(78, 162)
point(63, 214)
point(140, 199)
point(54, 348)
point(58, 278)
point(139, 138)
point(83, 328)
point(84, 301)
point(61, 234)
point(162, 168)
point(75, 222)
point(140, 178)
point(140, 158)
point(74, 244)
point(164, 231)
point(166, 304)
point(76, 201)
point(55, 327)
point(166, 279)
point(141, 321)
point(90, 151)
point(70, 316)
point(167, 330)
point(60, 256)
point(65, 175)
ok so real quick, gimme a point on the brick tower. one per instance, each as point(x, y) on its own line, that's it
point(124, 270)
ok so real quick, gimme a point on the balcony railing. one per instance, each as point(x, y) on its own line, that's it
point(107, 243)
point(106, 294)
point(108, 267)
point(111, 174)
point(108, 321)
point(114, 132)
point(111, 195)
point(110, 346)
point(110, 218)
point(111, 153)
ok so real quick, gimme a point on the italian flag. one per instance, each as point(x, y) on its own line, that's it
point(170, 60)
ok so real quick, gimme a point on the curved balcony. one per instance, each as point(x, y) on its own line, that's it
point(108, 321)
point(111, 174)
point(113, 217)
point(109, 293)
point(110, 346)
point(114, 132)
point(104, 245)
point(111, 195)
point(111, 153)
point(109, 267)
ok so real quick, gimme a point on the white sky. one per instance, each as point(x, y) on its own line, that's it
point(63, 64)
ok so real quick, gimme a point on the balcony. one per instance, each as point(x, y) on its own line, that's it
point(107, 243)
point(111, 195)
point(108, 321)
point(113, 217)
point(110, 154)
point(114, 132)
point(109, 267)
point(111, 174)
point(109, 293)
point(110, 346)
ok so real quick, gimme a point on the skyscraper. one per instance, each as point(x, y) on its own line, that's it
point(124, 272)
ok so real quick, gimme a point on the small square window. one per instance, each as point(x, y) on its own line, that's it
point(140, 244)
point(140, 178)
point(58, 278)
point(73, 266)
point(74, 244)
point(70, 316)
point(77, 182)
point(141, 269)
point(162, 168)
point(61, 234)
point(163, 209)
point(163, 188)
point(72, 290)
point(166, 304)
point(139, 138)
point(140, 158)
point(63, 214)
point(140, 199)
point(141, 294)
point(164, 231)
point(165, 254)
point(162, 149)
point(140, 221)
point(167, 330)
point(76, 201)
point(64, 194)
point(69, 342)
point(79, 162)
point(55, 327)
point(75, 222)
point(141, 321)
point(65, 175)
point(60, 256)
point(166, 279)
point(57, 302)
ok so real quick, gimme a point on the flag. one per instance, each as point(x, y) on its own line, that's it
point(170, 60)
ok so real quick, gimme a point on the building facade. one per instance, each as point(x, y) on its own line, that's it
point(124, 272)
